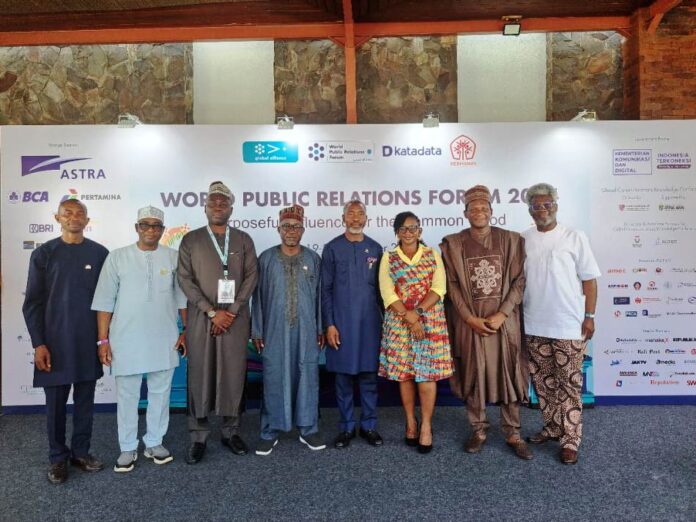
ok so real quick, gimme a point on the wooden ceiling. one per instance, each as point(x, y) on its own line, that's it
point(33, 22)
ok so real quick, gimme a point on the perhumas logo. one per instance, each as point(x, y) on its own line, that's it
point(463, 151)
point(34, 164)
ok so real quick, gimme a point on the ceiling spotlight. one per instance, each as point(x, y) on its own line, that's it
point(512, 25)
point(285, 122)
point(585, 115)
point(431, 120)
point(128, 120)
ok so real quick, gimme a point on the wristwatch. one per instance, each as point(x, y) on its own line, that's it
point(420, 311)
point(589, 315)
point(211, 313)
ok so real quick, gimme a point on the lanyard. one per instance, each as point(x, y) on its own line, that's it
point(222, 254)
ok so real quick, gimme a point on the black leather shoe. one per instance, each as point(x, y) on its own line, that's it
point(58, 472)
point(343, 439)
point(89, 463)
point(422, 448)
point(372, 437)
point(195, 453)
point(413, 441)
point(236, 445)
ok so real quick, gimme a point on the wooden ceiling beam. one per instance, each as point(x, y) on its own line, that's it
point(318, 31)
point(338, 30)
point(529, 25)
point(658, 10)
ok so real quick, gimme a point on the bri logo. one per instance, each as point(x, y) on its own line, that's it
point(34, 164)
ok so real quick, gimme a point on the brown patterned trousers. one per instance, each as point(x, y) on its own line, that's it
point(556, 369)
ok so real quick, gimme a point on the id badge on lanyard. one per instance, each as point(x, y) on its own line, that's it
point(226, 288)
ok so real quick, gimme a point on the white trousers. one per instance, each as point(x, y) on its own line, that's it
point(159, 386)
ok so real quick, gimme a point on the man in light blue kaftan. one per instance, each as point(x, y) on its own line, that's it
point(138, 301)
point(286, 330)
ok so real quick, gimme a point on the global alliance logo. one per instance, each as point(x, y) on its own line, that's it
point(394, 150)
point(34, 164)
point(463, 151)
point(269, 152)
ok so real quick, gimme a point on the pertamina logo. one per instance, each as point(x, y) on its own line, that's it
point(73, 194)
point(34, 164)
point(463, 151)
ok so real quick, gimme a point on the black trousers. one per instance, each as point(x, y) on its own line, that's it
point(83, 413)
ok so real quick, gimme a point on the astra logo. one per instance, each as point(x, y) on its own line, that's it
point(394, 150)
point(34, 164)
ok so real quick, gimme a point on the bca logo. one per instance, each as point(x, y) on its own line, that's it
point(35, 197)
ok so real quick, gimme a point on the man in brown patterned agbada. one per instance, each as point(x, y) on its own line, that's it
point(485, 284)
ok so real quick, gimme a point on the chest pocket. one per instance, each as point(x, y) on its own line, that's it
point(163, 279)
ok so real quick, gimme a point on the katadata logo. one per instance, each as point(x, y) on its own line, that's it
point(34, 164)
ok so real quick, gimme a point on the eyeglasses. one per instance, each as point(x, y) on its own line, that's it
point(412, 229)
point(144, 227)
point(543, 206)
point(287, 227)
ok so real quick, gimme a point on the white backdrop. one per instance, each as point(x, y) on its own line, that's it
point(630, 185)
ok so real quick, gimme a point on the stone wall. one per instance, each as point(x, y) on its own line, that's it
point(400, 79)
point(660, 72)
point(310, 81)
point(584, 71)
point(94, 84)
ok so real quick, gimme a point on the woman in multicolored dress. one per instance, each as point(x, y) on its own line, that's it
point(415, 348)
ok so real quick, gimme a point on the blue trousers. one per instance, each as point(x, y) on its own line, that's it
point(367, 382)
point(56, 413)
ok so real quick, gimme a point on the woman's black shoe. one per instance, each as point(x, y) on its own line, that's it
point(425, 449)
point(413, 441)
point(422, 448)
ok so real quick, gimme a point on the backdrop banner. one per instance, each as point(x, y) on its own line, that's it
point(630, 185)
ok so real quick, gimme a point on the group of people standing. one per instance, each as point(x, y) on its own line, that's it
point(410, 315)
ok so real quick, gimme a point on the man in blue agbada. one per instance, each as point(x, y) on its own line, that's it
point(286, 331)
point(63, 274)
point(138, 302)
point(352, 315)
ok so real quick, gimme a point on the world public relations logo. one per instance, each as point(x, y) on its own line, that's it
point(34, 164)
point(269, 152)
